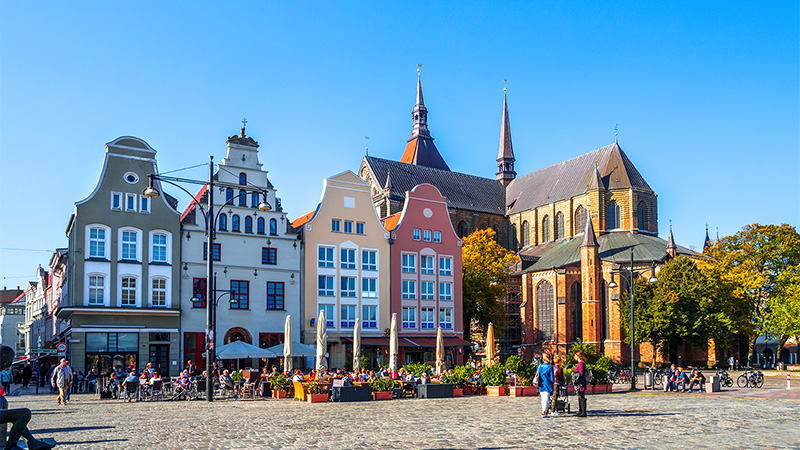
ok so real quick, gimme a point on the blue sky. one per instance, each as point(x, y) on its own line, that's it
point(705, 95)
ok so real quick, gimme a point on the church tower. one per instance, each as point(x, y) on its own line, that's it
point(420, 149)
point(505, 156)
point(590, 282)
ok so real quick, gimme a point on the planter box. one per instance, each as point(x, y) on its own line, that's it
point(316, 398)
point(496, 391)
point(278, 394)
point(516, 391)
point(434, 390)
point(382, 395)
point(351, 394)
point(570, 389)
point(530, 391)
point(458, 392)
point(468, 390)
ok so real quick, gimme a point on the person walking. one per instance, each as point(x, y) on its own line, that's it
point(6, 378)
point(545, 375)
point(580, 383)
point(61, 379)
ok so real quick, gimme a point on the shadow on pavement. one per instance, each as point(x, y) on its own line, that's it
point(90, 442)
point(631, 413)
point(68, 429)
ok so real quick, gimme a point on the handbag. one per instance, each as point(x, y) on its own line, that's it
point(536, 379)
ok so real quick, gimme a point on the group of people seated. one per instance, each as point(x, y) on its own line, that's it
point(677, 380)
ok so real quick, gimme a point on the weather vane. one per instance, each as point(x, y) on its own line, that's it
point(616, 132)
point(244, 121)
point(366, 145)
point(418, 66)
point(504, 86)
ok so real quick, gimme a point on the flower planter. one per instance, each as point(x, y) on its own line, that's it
point(530, 391)
point(316, 398)
point(496, 391)
point(458, 392)
point(278, 394)
point(468, 390)
point(516, 391)
point(377, 395)
point(570, 389)
point(605, 388)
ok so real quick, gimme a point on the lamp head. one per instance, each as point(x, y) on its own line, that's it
point(264, 205)
point(151, 192)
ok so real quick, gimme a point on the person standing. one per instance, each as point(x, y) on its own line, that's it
point(545, 372)
point(558, 381)
point(27, 372)
point(6, 378)
point(61, 380)
point(580, 385)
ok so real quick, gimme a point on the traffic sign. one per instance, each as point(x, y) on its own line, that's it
point(61, 347)
point(44, 350)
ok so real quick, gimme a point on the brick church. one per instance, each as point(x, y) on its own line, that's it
point(574, 225)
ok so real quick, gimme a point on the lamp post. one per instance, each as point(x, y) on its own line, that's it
point(630, 278)
point(210, 220)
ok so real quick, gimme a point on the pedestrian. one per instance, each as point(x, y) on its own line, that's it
point(27, 372)
point(580, 382)
point(61, 379)
point(558, 381)
point(6, 377)
point(730, 363)
point(545, 375)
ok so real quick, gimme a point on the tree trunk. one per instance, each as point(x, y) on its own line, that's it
point(751, 350)
point(781, 343)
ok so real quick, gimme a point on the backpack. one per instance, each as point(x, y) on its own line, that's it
point(588, 375)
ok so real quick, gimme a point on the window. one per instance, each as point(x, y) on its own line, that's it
point(97, 243)
point(642, 215)
point(329, 320)
point(359, 227)
point(130, 202)
point(260, 225)
point(348, 260)
point(199, 291)
point(369, 287)
point(348, 226)
point(347, 318)
point(525, 238)
point(415, 234)
point(612, 215)
point(348, 287)
point(462, 229)
point(97, 290)
point(409, 263)
point(325, 286)
point(235, 223)
point(559, 225)
point(248, 224)
point(269, 255)
point(426, 318)
point(216, 251)
point(577, 312)
point(437, 236)
point(273, 227)
point(116, 200)
point(243, 179)
point(336, 225)
point(229, 196)
point(144, 205)
point(129, 245)
point(254, 199)
point(426, 264)
point(369, 260)
point(128, 297)
point(369, 316)
point(445, 265)
point(159, 295)
point(274, 295)
point(242, 197)
point(546, 229)
point(426, 235)
point(426, 290)
point(267, 340)
point(580, 219)
point(544, 301)
point(445, 292)
point(159, 248)
point(409, 317)
point(223, 222)
point(446, 318)
point(240, 294)
point(409, 289)
point(325, 257)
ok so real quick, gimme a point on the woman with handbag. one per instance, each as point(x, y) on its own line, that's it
point(580, 383)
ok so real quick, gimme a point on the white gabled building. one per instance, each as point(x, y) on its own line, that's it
point(256, 258)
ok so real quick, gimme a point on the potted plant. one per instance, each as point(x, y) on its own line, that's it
point(525, 376)
point(600, 383)
point(316, 394)
point(516, 365)
point(382, 388)
point(458, 383)
point(568, 377)
point(466, 373)
point(495, 378)
point(278, 384)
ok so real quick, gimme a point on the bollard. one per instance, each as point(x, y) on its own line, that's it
point(788, 381)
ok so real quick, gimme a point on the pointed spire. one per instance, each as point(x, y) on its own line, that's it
point(707, 243)
point(420, 113)
point(589, 239)
point(420, 149)
point(671, 240)
point(596, 181)
point(420, 101)
point(388, 184)
point(505, 155)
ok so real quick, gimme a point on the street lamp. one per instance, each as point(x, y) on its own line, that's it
point(630, 278)
point(150, 192)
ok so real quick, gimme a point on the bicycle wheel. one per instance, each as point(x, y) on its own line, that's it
point(658, 378)
point(759, 380)
point(742, 381)
point(727, 382)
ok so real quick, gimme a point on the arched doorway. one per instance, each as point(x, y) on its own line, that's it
point(237, 334)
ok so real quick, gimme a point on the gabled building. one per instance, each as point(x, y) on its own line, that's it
point(12, 315)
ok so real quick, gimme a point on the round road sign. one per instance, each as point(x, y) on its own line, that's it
point(61, 347)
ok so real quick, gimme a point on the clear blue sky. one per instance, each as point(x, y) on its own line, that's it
point(705, 95)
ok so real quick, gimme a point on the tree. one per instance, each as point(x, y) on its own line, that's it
point(486, 267)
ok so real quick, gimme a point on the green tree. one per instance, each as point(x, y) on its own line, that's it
point(486, 267)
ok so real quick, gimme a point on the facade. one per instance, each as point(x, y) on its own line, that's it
point(426, 289)
point(12, 314)
point(256, 256)
point(122, 305)
point(345, 251)
point(34, 327)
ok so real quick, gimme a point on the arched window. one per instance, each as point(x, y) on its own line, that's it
point(544, 303)
point(603, 311)
point(260, 225)
point(514, 241)
point(642, 216)
point(580, 219)
point(526, 234)
point(223, 222)
point(577, 312)
point(254, 200)
point(559, 225)
point(229, 196)
point(243, 179)
point(242, 197)
point(235, 223)
point(273, 227)
point(462, 229)
point(612, 215)
point(248, 224)
point(546, 229)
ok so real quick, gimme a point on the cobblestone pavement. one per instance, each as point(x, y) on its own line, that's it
point(643, 420)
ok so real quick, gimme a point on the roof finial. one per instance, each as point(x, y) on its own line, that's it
point(616, 133)
point(420, 101)
point(244, 122)
point(504, 84)
point(366, 145)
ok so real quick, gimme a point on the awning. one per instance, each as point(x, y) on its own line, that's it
point(412, 341)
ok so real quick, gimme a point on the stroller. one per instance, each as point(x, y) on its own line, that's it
point(562, 399)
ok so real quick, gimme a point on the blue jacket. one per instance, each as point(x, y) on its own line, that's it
point(545, 377)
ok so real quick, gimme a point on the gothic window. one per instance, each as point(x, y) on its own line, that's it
point(462, 229)
point(612, 215)
point(580, 219)
point(526, 234)
point(544, 301)
point(243, 179)
point(642, 216)
point(559, 225)
point(248, 224)
point(577, 312)
point(223, 222)
point(254, 199)
point(603, 311)
point(242, 197)
point(260, 225)
point(514, 241)
point(546, 229)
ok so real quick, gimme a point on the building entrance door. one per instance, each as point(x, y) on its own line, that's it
point(159, 357)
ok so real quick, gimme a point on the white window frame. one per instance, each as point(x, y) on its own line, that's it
point(409, 262)
point(329, 252)
point(369, 321)
point(352, 315)
point(144, 205)
point(330, 319)
point(167, 246)
point(131, 199)
point(361, 228)
point(348, 227)
point(153, 292)
point(409, 316)
point(426, 235)
point(348, 258)
point(409, 289)
point(369, 260)
point(437, 236)
point(427, 318)
point(446, 318)
point(369, 287)
point(427, 290)
point(447, 270)
point(445, 291)
point(415, 234)
point(330, 286)
point(120, 244)
point(118, 197)
point(427, 269)
point(106, 241)
point(347, 287)
point(136, 289)
point(336, 225)
point(104, 297)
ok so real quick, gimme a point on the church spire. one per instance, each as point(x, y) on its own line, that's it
point(420, 149)
point(505, 155)
point(420, 114)
point(707, 243)
point(671, 247)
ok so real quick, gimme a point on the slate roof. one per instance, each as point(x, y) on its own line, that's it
point(466, 192)
point(614, 247)
point(423, 152)
point(574, 177)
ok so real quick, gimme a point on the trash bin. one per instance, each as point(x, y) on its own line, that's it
point(648, 380)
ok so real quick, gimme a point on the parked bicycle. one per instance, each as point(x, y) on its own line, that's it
point(751, 378)
point(658, 375)
point(725, 380)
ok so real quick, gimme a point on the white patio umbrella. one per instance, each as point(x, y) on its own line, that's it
point(322, 340)
point(241, 349)
point(298, 350)
point(439, 351)
point(490, 353)
point(393, 343)
point(287, 347)
point(356, 345)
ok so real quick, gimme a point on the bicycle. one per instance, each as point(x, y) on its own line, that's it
point(725, 380)
point(750, 378)
point(658, 375)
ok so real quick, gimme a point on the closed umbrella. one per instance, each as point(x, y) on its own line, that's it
point(490, 354)
point(393, 343)
point(322, 341)
point(439, 351)
point(287, 347)
point(356, 345)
